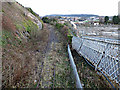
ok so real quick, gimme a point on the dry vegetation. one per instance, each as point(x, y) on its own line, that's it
point(21, 42)
point(31, 57)
point(54, 68)
point(19, 61)
point(36, 59)
point(88, 76)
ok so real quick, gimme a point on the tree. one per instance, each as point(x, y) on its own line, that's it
point(106, 19)
point(45, 20)
point(116, 20)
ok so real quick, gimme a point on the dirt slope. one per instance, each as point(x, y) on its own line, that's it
point(21, 36)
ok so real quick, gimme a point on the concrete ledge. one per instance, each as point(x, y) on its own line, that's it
point(106, 40)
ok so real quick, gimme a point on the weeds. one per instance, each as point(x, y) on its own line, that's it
point(87, 74)
point(59, 25)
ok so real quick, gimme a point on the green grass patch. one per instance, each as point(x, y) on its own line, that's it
point(27, 25)
point(18, 27)
point(8, 39)
point(59, 25)
point(3, 10)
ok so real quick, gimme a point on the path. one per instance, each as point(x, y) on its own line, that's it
point(54, 69)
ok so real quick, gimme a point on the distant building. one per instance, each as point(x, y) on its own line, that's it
point(96, 23)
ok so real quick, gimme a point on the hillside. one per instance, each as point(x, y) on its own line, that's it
point(35, 52)
point(33, 56)
point(21, 31)
point(74, 15)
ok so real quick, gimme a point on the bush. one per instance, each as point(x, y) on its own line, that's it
point(30, 10)
point(46, 20)
point(59, 25)
point(2, 10)
point(69, 38)
point(65, 31)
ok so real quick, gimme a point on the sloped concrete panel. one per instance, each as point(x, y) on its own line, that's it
point(102, 53)
point(76, 43)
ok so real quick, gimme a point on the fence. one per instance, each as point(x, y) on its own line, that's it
point(102, 53)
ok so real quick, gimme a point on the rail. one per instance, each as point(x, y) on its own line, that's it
point(78, 83)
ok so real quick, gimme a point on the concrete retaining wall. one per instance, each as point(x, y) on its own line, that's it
point(102, 53)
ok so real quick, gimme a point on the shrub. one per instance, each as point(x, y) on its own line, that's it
point(59, 25)
point(30, 10)
point(2, 10)
point(45, 20)
point(69, 38)
point(65, 31)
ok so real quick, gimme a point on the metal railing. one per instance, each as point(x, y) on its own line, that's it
point(78, 83)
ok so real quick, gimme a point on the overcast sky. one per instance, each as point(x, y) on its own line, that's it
point(99, 7)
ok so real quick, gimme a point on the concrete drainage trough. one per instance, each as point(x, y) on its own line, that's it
point(102, 53)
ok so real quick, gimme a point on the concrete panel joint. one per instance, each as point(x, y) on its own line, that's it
point(102, 53)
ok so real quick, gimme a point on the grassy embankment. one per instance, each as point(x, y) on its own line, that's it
point(20, 40)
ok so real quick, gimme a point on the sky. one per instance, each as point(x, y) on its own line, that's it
point(98, 7)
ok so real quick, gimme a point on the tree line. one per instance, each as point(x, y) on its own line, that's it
point(115, 20)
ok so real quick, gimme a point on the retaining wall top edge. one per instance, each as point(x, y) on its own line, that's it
point(106, 40)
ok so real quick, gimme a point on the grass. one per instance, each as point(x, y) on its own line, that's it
point(63, 72)
point(19, 58)
point(88, 75)
point(19, 54)
point(6, 37)
point(9, 39)
point(59, 26)
point(19, 27)
point(3, 10)
point(67, 77)
point(27, 26)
